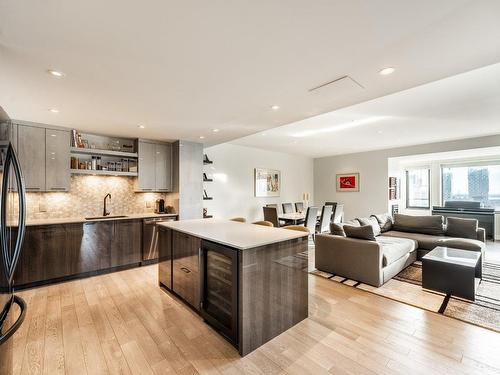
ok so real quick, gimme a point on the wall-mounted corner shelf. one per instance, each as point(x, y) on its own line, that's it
point(208, 180)
point(207, 198)
point(208, 216)
point(207, 162)
point(103, 173)
point(94, 151)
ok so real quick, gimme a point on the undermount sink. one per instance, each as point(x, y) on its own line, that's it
point(105, 217)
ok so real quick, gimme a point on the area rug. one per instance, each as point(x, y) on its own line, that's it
point(406, 287)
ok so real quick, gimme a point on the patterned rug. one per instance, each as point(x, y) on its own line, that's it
point(406, 287)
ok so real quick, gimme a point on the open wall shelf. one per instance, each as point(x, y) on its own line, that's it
point(97, 152)
point(102, 173)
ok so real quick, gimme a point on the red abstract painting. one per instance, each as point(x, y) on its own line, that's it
point(348, 182)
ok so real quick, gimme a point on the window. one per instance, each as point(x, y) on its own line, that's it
point(417, 188)
point(473, 182)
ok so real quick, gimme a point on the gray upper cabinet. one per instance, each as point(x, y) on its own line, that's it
point(147, 166)
point(31, 152)
point(155, 166)
point(57, 175)
point(163, 167)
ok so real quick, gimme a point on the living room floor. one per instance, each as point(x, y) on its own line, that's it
point(493, 252)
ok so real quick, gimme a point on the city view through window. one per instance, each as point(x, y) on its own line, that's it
point(472, 183)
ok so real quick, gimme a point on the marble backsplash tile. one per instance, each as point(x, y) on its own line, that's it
point(86, 195)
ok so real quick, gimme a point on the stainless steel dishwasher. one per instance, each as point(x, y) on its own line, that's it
point(150, 251)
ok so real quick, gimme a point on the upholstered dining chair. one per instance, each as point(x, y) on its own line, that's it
point(239, 219)
point(271, 215)
point(299, 206)
point(264, 223)
point(310, 222)
point(338, 215)
point(325, 219)
point(288, 208)
point(334, 205)
point(300, 228)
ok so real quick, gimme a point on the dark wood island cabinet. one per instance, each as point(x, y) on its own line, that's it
point(249, 282)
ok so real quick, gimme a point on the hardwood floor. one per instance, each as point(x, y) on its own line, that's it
point(122, 323)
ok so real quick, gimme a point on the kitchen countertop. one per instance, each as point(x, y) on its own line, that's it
point(80, 219)
point(234, 234)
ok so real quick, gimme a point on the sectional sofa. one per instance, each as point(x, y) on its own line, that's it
point(373, 250)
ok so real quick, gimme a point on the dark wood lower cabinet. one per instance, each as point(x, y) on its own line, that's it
point(165, 256)
point(185, 267)
point(54, 252)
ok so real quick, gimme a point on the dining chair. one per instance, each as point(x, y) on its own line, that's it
point(271, 215)
point(239, 219)
point(300, 228)
point(334, 205)
point(338, 215)
point(264, 223)
point(272, 205)
point(310, 222)
point(325, 219)
point(299, 206)
point(288, 208)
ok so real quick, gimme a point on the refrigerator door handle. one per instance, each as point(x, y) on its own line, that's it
point(22, 305)
point(11, 262)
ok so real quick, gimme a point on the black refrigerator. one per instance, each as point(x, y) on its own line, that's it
point(12, 226)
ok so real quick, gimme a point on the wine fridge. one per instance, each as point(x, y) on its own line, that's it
point(219, 286)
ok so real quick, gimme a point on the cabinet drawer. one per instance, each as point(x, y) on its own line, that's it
point(186, 283)
point(186, 250)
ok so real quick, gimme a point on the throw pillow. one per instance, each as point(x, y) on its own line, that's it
point(462, 228)
point(419, 224)
point(364, 232)
point(385, 221)
point(337, 229)
point(371, 221)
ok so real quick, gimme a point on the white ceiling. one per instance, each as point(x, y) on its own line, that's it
point(182, 68)
point(462, 106)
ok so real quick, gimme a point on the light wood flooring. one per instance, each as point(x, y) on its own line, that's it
point(122, 323)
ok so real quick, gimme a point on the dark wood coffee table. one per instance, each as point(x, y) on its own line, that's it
point(452, 271)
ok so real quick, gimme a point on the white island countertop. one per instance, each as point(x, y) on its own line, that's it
point(234, 234)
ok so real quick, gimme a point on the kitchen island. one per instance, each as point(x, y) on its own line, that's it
point(247, 281)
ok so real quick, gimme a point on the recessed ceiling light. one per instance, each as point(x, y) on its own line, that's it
point(387, 71)
point(380, 131)
point(54, 110)
point(55, 73)
point(202, 137)
point(215, 130)
point(141, 126)
point(275, 107)
point(264, 134)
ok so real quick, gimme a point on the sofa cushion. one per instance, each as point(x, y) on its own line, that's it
point(462, 243)
point(425, 241)
point(394, 248)
point(337, 229)
point(370, 221)
point(385, 221)
point(419, 224)
point(364, 232)
point(463, 228)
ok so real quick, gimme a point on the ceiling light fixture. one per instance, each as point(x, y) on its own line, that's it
point(202, 137)
point(215, 130)
point(338, 127)
point(56, 73)
point(387, 71)
point(275, 107)
point(53, 110)
point(141, 126)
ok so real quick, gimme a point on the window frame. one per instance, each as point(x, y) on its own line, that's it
point(407, 203)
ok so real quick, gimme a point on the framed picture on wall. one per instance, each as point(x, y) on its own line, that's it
point(267, 182)
point(347, 182)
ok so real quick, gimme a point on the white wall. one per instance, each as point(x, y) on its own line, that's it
point(233, 174)
point(374, 171)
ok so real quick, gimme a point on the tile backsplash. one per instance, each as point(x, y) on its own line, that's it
point(86, 195)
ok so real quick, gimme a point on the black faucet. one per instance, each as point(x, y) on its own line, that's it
point(105, 211)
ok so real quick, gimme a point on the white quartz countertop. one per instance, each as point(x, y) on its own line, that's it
point(234, 234)
point(80, 219)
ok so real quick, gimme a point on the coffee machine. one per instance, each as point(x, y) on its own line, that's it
point(160, 206)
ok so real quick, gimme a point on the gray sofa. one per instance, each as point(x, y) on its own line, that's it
point(396, 244)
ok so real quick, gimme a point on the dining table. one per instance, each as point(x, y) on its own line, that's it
point(294, 218)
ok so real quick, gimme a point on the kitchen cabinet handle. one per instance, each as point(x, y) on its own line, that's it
point(58, 188)
point(186, 270)
point(32, 188)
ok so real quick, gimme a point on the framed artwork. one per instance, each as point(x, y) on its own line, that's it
point(267, 182)
point(348, 182)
